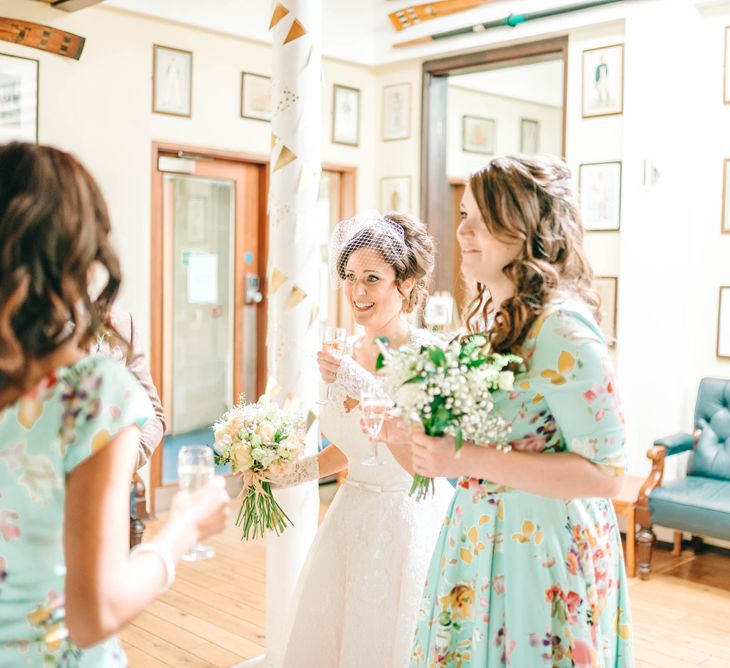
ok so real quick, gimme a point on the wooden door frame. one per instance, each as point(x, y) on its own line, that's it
point(348, 199)
point(157, 278)
point(434, 186)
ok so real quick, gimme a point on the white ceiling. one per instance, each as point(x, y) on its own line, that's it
point(360, 31)
point(535, 82)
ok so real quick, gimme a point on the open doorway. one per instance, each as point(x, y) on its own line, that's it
point(478, 106)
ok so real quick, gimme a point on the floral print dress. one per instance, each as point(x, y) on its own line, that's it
point(70, 416)
point(523, 580)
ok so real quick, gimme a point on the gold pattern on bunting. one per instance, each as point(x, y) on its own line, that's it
point(276, 280)
point(312, 52)
point(297, 296)
point(313, 317)
point(285, 157)
point(279, 13)
point(296, 31)
point(311, 417)
point(274, 140)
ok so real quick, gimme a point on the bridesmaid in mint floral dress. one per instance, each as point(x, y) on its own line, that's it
point(68, 432)
point(528, 570)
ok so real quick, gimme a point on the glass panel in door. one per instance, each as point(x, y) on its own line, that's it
point(200, 310)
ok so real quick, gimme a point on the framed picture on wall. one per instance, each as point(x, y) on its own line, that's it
point(397, 112)
point(18, 99)
point(529, 136)
point(478, 135)
point(346, 116)
point(726, 196)
point(607, 289)
point(172, 81)
point(600, 195)
point(726, 68)
point(395, 194)
point(603, 81)
point(255, 96)
point(723, 323)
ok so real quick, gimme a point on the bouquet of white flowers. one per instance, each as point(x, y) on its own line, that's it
point(261, 442)
point(449, 390)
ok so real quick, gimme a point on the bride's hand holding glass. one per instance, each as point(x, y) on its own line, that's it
point(334, 342)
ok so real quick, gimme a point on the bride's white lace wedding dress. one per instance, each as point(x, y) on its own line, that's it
point(357, 598)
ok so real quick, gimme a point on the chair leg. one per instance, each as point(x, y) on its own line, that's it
point(698, 545)
point(644, 543)
point(677, 547)
point(137, 505)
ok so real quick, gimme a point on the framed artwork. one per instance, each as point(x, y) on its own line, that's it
point(603, 81)
point(18, 99)
point(726, 196)
point(529, 136)
point(346, 119)
point(723, 323)
point(600, 195)
point(397, 112)
point(395, 193)
point(726, 69)
point(256, 97)
point(172, 81)
point(478, 135)
point(607, 289)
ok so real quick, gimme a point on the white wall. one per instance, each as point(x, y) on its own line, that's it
point(506, 112)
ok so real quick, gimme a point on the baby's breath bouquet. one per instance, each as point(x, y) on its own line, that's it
point(449, 390)
point(260, 441)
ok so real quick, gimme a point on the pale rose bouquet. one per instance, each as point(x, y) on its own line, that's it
point(261, 442)
point(449, 391)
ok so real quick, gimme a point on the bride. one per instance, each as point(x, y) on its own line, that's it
point(357, 598)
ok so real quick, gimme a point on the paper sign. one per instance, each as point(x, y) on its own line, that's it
point(202, 278)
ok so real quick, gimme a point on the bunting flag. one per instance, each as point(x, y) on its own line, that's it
point(286, 156)
point(276, 280)
point(296, 297)
point(279, 13)
point(296, 31)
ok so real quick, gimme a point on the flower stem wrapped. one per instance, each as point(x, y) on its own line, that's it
point(261, 442)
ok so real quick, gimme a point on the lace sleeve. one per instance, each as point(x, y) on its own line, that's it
point(354, 379)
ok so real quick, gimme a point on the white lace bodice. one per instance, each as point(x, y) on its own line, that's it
point(340, 421)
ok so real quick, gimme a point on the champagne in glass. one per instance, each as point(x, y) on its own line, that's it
point(374, 407)
point(196, 469)
point(334, 340)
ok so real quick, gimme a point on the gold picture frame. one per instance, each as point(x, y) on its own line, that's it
point(172, 81)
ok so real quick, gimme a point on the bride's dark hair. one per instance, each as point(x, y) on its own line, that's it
point(529, 200)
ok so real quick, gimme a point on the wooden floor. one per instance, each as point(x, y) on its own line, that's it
point(214, 613)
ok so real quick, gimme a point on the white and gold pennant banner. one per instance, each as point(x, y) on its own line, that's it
point(293, 281)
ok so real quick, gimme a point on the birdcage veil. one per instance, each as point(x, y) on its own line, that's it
point(368, 232)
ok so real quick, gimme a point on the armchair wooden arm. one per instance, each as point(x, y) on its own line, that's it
point(644, 534)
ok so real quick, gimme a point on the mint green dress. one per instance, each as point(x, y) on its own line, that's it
point(43, 436)
point(523, 580)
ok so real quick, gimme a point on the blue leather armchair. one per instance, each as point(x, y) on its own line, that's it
point(699, 503)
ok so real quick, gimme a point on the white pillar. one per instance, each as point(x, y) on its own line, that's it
point(293, 281)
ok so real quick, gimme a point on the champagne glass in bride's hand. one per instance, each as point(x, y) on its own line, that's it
point(334, 340)
point(374, 406)
point(195, 469)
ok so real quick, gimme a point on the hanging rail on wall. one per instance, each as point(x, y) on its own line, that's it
point(411, 16)
point(511, 21)
point(41, 37)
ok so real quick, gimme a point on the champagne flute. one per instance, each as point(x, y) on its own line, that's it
point(374, 406)
point(195, 469)
point(334, 341)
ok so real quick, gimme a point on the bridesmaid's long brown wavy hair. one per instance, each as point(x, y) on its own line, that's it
point(54, 225)
point(529, 200)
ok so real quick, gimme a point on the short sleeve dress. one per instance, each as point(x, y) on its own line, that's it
point(523, 580)
point(44, 435)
